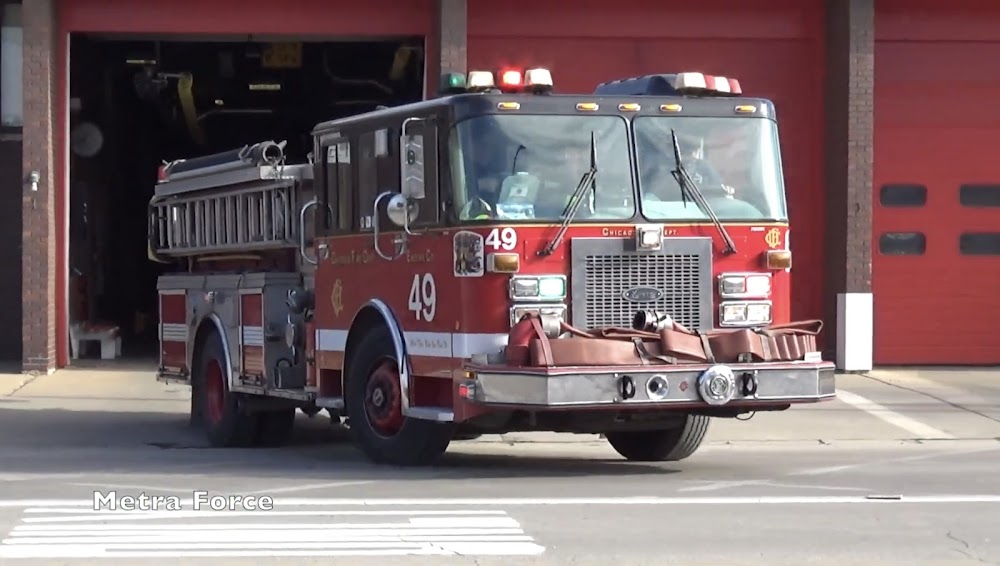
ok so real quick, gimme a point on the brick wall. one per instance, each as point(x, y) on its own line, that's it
point(850, 74)
point(38, 261)
point(451, 34)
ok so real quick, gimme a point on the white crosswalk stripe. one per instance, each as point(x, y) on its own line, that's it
point(73, 532)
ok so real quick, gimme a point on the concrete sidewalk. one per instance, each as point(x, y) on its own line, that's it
point(11, 382)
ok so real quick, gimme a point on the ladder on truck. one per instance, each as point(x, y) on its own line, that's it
point(241, 200)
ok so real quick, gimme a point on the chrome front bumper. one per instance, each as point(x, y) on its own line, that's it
point(664, 386)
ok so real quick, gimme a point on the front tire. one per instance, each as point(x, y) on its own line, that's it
point(217, 410)
point(670, 445)
point(374, 405)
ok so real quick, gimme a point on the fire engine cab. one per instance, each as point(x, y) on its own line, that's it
point(498, 258)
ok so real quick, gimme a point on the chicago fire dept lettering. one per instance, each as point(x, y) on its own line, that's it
point(352, 257)
point(468, 254)
point(629, 232)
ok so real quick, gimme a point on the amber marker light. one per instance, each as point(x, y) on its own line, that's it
point(778, 259)
point(503, 263)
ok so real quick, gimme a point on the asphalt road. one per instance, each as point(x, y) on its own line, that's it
point(903, 473)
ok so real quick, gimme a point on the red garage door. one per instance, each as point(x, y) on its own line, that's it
point(776, 53)
point(936, 266)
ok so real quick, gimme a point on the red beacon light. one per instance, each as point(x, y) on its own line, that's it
point(535, 81)
point(510, 79)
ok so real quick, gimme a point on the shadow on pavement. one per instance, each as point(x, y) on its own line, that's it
point(57, 441)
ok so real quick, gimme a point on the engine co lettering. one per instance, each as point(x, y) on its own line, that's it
point(425, 256)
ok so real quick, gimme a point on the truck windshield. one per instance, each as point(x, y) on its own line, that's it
point(734, 161)
point(526, 167)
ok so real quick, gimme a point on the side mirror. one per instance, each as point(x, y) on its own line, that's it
point(411, 162)
point(401, 210)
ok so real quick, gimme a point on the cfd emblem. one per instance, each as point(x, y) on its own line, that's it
point(337, 297)
point(773, 238)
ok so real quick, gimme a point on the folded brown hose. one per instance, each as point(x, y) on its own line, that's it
point(613, 346)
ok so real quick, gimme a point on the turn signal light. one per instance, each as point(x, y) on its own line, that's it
point(778, 259)
point(503, 263)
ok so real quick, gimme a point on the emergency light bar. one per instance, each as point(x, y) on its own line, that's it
point(690, 83)
point(535, 81)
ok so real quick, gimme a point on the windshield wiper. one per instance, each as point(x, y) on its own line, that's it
point(576, 199)
point(689, 188)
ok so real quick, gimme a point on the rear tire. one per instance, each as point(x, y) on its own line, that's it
point(374, 405)
point(217, 410)
point(670, 445)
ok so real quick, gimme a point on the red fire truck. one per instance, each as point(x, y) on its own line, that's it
point(498, 258)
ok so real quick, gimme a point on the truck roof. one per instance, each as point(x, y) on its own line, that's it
point(465, 105)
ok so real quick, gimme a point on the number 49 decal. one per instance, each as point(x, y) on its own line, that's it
point(423, 297)
point(505, 239)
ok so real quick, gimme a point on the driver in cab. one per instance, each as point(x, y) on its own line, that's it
point(564, 176)
point(483, 178)
point(720, 196)
point(701, 171)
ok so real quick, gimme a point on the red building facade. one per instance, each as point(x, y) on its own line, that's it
point(861, 89)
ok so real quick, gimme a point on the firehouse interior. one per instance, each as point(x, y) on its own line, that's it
point(137, 102)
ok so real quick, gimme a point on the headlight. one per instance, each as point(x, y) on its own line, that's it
point(745, 313)
point(649, 237)
point(745, 285)
point(538, 288)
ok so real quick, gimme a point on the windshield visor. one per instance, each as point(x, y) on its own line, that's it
point(526, 167)
point(734, 161)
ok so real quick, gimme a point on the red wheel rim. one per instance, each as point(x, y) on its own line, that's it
point(215, 391)
point(384, 399)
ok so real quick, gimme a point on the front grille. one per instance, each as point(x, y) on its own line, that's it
point(604, 270)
